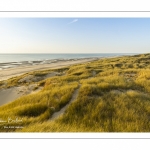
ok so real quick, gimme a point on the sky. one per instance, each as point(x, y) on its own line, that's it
point(74, 35)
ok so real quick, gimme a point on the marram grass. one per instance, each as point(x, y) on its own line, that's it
point(114, 96)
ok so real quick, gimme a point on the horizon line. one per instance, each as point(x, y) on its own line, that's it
point(77, 53)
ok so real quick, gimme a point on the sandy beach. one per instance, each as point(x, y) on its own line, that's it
point(10, 94)
point(19, 70)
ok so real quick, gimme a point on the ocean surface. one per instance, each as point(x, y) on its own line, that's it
point(13, 60)
point(5, 58)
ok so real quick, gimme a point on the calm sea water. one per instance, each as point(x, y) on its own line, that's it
point(4, 58)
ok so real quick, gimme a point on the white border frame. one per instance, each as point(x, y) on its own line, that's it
point(75, 14)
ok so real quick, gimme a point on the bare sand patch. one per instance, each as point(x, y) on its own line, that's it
point(32, 78)
point(93, 73)
point(10, 94)
point(13, 93)
point(117, 91)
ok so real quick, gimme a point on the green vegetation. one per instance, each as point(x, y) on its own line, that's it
point(114, 96)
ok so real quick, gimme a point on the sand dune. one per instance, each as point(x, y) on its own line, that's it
point(61, 112)
point(8, 95)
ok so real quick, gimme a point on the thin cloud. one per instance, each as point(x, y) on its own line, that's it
point(75, 20)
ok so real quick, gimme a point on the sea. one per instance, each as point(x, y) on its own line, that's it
point(13, 60)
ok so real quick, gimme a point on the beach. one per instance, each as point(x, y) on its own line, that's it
point(10, 94)
point(27, 67)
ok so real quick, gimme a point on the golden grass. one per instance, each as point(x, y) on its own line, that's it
point(114, 96)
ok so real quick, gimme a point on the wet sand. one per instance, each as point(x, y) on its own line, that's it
point(19, 70)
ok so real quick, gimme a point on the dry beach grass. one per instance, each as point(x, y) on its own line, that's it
point(113, 96)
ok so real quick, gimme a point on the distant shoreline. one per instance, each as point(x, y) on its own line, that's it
point(15, 64)
point(15, 59)
point(28, 67)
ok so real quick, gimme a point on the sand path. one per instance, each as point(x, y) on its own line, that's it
point(93, 73)
point(74, 96)
point(61, 112)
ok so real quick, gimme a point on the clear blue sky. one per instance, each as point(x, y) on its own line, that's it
point(74, 35)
